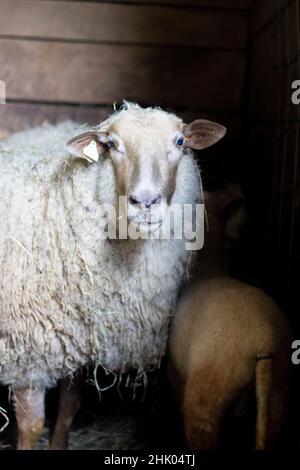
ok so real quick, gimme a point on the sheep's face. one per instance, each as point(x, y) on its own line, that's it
point(145, 146)
point(146, 150)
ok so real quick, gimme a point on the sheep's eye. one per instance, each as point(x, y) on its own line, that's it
point(180, 142)
point(111, 144)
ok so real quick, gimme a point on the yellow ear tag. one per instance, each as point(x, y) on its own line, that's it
point(91, 151)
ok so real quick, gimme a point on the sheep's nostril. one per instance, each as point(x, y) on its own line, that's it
point(146, 202)
point(156, 199)
point(133, 200)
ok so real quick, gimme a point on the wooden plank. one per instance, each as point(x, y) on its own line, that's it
point(265, 12)
point(264, 78)
point(288, 67)
point(262, 12)
point(102, 74)
point(130, 24)
point(15, 117)
point(239, 4)
point(274, 68)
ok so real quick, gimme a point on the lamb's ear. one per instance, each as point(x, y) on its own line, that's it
point(89, 145)
point(201, 134)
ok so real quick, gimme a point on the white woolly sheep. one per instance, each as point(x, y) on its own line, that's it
point(68, 296)
point(227, 336)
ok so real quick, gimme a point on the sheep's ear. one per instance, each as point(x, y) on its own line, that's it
point(201, 134)
point(89, 145)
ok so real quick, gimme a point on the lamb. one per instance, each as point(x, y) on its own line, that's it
point(69, 295)
point(225, 337)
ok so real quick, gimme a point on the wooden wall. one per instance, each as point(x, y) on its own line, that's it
point(75, 58)
point(274, 126)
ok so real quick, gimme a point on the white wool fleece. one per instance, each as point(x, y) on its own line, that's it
point(67, 297)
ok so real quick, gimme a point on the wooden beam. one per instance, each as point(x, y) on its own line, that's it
point(122, 24)
point(15, 117)
point(266, 13)
point(102, 74)
point(274, 67)
point(262, 13)
point(224, 4)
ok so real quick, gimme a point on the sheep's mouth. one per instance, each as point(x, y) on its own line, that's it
point(146, 220)
point(147, 226)
point(151, 224)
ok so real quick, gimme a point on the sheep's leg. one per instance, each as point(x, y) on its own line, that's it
point(263, 373)
point(69, 403)
point(202, 411)
point(208, 393)
point(272, 384)
point(30, 414)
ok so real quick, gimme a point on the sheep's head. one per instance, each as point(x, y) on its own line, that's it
point(145, 146)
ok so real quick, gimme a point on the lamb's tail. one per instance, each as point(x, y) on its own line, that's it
point(263, 376)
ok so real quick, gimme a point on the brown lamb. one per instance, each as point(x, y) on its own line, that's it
point(226, 337)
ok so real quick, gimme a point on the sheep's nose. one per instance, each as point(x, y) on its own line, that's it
point(144, 201)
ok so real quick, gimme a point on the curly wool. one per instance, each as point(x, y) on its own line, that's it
point(68, 297)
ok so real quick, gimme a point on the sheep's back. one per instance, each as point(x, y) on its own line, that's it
point(224, 321)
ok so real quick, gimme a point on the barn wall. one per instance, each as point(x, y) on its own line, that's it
point(274, 127)
point(74, 59)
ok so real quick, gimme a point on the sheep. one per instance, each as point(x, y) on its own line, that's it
point(227, 336)
point(69, 295)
